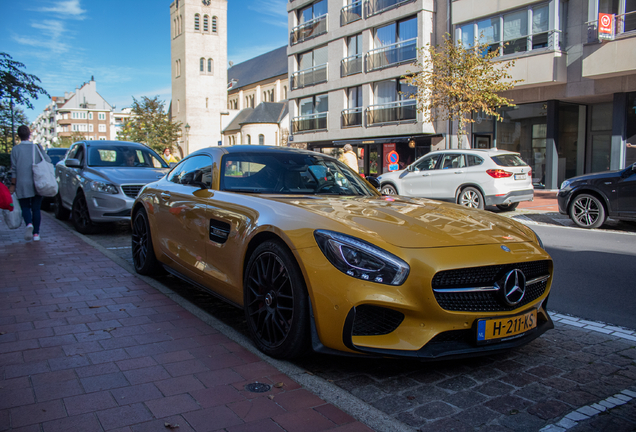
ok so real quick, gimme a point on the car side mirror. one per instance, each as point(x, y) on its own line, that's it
point(172, 164)
point(412, 168)
point(73, 163)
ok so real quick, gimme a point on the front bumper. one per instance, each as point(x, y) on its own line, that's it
point(563, 200)
point(109, 208)
point(511, 197)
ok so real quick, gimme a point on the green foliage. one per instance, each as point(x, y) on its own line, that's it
point(149, 124)
point(66, 142)
point(16, 84)
point(454, 81)
point(19, 118)
point(5, 159)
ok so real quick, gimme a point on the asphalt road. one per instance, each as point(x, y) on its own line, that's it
point(594, 276)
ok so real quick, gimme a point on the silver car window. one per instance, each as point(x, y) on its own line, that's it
point(427, 163)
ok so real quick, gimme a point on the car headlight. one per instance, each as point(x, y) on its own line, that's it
point(538, 238)
point(565, 184)
point(360, 259)
point(103, 187)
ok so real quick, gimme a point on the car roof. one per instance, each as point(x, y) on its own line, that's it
point(484, 152)
point(258, 149)
point(54, 150)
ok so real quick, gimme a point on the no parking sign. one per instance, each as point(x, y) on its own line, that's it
point(392, 159)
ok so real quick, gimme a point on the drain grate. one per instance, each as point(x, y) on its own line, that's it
point(257, 387)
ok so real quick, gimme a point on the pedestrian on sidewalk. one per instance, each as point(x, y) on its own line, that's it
point(349, 157)
point(23, 156)
point(168, 156)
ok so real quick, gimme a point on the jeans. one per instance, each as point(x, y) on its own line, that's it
point(31, 211)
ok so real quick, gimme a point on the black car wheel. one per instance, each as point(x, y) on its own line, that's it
point(471, 197)
point(276, 302)
point(507, 207)
point(61, 213)
point(388, 189)
point(80, 216)
point(143, 253)
point(587, 211)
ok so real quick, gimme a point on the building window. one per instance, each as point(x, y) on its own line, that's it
point(313, 113)
point(312, 22)
point(205, 23)
point(90, 127)
point(202, 65)
point(102, 128)
point(101, 116)
point(211, 66)
point(214, 24)
point(352, 64)
point(394, 43)
point(249, 139)
point(196, 22)
point(312, 68)
point(392, 102)
point(90, 116)
point(206, 102)
point(625, 12)
point(352, 115)
point(261, 139)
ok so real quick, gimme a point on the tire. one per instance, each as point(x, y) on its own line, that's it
point(587, 211)
point(471, 197)
point(276, 302)
point(388, 189)
point(80, 217)
point(60, 211)
point(508, 207)
point(143, 254)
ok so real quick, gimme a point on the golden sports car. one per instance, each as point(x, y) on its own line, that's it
point(318, 259)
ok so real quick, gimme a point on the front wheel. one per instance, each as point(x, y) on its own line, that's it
point(388, 189)
point(80, 216)
point(143, 253)
point(507, 207)
point(587, 211)
point(276, 302)
point(471, 197)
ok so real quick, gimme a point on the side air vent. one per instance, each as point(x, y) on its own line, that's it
point(219, 231)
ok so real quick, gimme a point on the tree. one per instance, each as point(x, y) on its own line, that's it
point(17, 86)
point(7, 138)
point(66, 142)
point(149, 124)
point(454, 81)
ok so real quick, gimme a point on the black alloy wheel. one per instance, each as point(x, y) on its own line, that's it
point(587, 211)
point(388, 189)
point(143, 253)
point(80, 216)
point(61, 213)
point(471, 197)
point(276, 302)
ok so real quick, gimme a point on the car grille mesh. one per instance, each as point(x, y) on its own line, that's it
point(486, 301)
point(131, 190)
point(375, 320)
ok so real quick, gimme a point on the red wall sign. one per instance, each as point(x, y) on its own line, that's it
point(605, 26)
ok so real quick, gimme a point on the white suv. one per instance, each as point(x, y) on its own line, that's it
point(470, 177)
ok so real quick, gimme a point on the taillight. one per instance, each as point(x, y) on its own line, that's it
point(498, 173)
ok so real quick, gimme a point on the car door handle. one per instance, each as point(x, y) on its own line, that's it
point(425, 174)
point(459, 172)
point(165, 195)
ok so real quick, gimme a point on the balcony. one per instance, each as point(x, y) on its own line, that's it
point(378, 6)
point(307, 77)
point(609, 59)
point(624, 23)
point(309, 29)
point(352, 117)
point(394, 54)
point(392, 112)
point(351, 13)
point(311, 122)
point(351, 65)
point(539, 68)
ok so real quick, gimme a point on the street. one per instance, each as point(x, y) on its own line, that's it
point(524, 390)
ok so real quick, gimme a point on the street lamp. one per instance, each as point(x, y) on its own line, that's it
point(187, 144)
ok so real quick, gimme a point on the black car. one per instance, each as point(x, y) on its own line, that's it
point(56, 154)
point(590, 199)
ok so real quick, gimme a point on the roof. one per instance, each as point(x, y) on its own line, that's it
point(266, 112)
point(235, 124)
point(265, 66)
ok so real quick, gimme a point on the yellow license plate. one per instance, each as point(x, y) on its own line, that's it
point(503, 328)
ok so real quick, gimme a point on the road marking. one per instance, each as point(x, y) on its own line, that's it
point(597, 326)
point(528, 221)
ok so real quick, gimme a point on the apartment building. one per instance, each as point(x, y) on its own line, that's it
point(346, 63)
point(576, 106)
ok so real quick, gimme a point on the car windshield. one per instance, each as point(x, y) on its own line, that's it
point(290, 173)
point(56, 155)
point(508, 160)
point(123, 156)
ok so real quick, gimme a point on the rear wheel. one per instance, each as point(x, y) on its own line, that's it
point(507, 207)
point(471, 197)
point(276, 302)
point(388, 189)
point(143, 253)
point(587, 211)
point(80, 216)
point(61, 213)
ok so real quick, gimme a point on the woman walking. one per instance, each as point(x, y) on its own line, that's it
point(23, 156)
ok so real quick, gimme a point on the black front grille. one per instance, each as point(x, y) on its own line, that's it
point(131, 190)
point(453, 336)
point(375, 320)
point(487, 301)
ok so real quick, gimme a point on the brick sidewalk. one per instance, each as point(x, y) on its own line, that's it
point(545, 201)
point(87, 346)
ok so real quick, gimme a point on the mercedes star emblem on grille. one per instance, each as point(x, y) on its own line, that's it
point(513, 287)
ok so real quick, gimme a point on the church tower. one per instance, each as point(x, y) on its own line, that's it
point(199, 70)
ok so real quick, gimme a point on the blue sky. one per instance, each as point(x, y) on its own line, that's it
point(125, 45)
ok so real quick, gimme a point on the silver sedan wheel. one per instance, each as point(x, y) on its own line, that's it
point(388, 190)
point(471, 197)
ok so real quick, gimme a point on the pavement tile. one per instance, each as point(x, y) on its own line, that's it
point(104, 382)
point(24, 369)
point(219, 377)
point(124, 416)
point(298, 399)
point(68, 362)
point(173, 357)
point(265, 425)
point(335, 414)
point(58, 390)
point(11, 398)
point(185, 367)
point(148, 374)
point(88, 403)
point(136, 363)
point(108, 356)
point(255, 371)
point(465, 399)
point(305, 420)
point(179, 385)
point(175, 423)
point(218, 395)
point(81, 423)
point(136, 393)
point(222, 415)
point(40, 354)
point(37, 413)
point(100, 369)
point(549, 409)
point(172, 405)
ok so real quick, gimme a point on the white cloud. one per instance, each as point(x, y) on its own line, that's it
point(273, 8)
point(66, 8)
point(51, 37)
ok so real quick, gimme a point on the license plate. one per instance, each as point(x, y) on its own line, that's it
point(520, 176)
point(503, 328)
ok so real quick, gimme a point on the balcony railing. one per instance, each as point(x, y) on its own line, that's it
point(309, 29)
point(388, 55)
point(311, 122)
point(392, 112)
point(351, 65)
point(351, 13)
point(352, 117)
point(622, 24)
point(307, 77)
point(377, 6)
